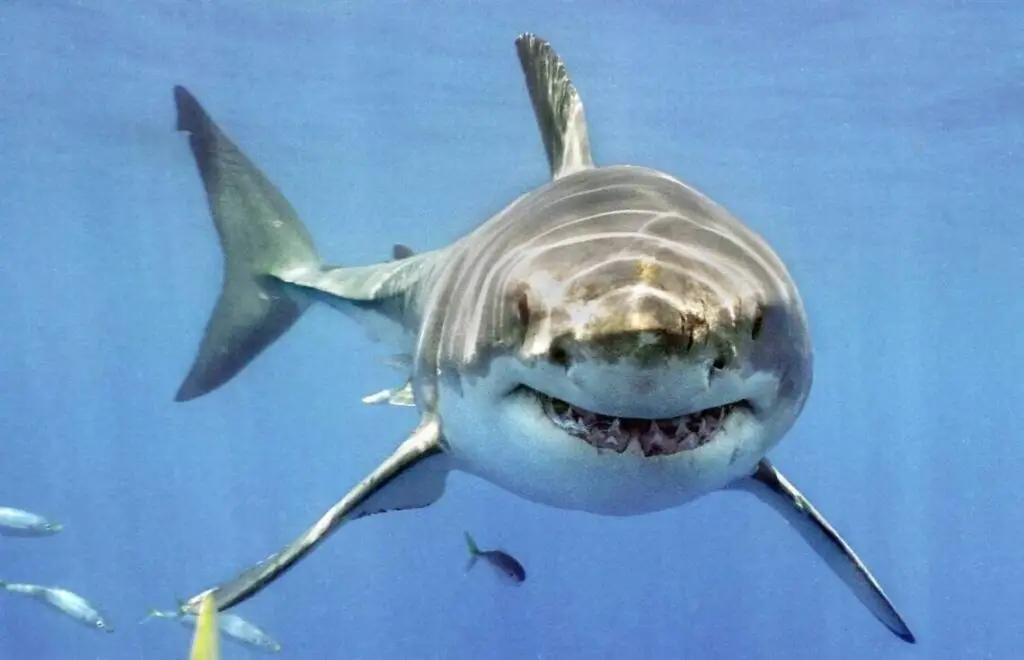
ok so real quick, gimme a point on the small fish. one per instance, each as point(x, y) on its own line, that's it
point(237, 629)
point(505, 563)
point(18, 523)
point(63, 601)
point(206, 642)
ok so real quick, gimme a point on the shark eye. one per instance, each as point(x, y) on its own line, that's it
point(755, 328)
point(523, 309)
point(559, 356)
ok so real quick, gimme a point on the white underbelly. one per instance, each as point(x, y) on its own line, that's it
point(517, 448)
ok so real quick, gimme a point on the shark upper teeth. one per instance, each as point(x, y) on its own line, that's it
point(642, 437)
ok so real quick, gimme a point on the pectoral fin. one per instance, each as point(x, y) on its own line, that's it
point(395, 396)
point(412, 477)
point(772, 488)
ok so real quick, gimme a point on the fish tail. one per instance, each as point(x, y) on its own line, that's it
point(153, 613)
point(474, 552)
point(261, 238)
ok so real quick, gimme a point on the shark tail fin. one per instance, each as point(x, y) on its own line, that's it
point(474, 552)
point(262, 239)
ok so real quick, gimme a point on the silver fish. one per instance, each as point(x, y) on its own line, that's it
point(65, 602)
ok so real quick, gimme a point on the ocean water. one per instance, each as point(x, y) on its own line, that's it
point(878, 146)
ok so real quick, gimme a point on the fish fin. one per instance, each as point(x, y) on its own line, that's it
point(206, 640)
point(377, 397)
point(402, 396)
point(151, 614)
point(772, 488)
point(412, 477)
point(272, 272)
point(260, 234)
point(396, 396)
point(400, 251)
point(556, 106)
point(399, 361)
point(474, 552)
point(471, 544)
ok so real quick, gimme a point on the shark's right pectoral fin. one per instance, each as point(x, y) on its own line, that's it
point(771, 487)
point(271, 268)
point(412, 477)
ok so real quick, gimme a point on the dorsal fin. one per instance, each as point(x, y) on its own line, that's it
point(400, 251)
point(556, 105)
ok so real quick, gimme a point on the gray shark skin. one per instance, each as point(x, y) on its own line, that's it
point(612, 341)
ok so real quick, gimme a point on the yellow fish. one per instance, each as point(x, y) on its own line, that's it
point(206, 642)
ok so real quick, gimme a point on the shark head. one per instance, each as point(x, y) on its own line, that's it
point(632, 326)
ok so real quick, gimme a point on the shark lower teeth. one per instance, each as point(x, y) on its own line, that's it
point(646, 437)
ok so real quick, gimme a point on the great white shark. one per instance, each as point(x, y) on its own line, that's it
point(613, 341)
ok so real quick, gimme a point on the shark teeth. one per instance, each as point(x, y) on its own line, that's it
point(640, 437)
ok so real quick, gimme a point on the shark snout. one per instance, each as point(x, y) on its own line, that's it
point(643, 326)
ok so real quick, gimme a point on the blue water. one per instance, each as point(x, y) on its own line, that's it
point(878, 146)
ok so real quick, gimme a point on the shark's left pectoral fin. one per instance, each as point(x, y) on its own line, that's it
point(412, 477)
point(772, 488)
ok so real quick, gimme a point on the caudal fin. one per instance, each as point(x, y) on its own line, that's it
point(474, 552)
point(261, 238)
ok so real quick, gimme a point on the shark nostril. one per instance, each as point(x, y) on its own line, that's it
point(688, 333)
point(559, 355)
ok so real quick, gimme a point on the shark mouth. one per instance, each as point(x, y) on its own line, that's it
point(641, 437)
